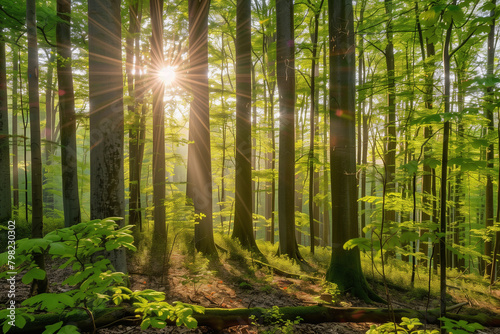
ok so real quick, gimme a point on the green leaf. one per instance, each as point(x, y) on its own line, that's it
point(69, 329)
point(34, 273)
point(49, 329)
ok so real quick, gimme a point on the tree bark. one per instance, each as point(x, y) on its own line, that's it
point(345, 266)
point(199, 169)
point(38, 286)
point(444, 174)
point(243, 229)
point(15, 115)
point(5, 197)
point(71, 201)
point(285, 54)
point(106, 115)
point(488, 246)
point(160, 228)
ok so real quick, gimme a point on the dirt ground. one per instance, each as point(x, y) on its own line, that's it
point(231, 287)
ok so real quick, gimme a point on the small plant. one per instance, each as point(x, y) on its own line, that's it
point(330, 293)
point(273, 317)
point(94, 284)
point(460, 327)
point(406, 326)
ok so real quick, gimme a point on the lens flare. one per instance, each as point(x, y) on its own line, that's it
point(167, 75)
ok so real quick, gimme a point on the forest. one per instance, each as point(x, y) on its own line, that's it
point(239, 166)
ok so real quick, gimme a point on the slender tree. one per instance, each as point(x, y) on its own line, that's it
point(106, 115)
point(243, 229)
point(345, 266)
point(489, 108)
point(71, 201)
point(5, 197)
point(134, 109)
point(15, 151)
point(38, 286)
point(199, 169)
point(285, 54)
point(160, 230)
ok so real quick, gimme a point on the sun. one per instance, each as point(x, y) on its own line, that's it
point(167, 75)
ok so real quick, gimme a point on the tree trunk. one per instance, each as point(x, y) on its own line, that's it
point(106, 115)
point(285, 54)
point(48, 197)
point(345, 265)
point(71, 202)
point(390, 138)
point(490, 106)
point(313, 176)
point(199, 169)
point(243, 229)
point(444, 174)
point(160, 229)
point(38, 286)
point(15, 116)
point(5, 197)
point(132, 70)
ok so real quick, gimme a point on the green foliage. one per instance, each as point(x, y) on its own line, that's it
point(406, 326)
point(94, 283)
point(460, 327)
point(156, 314)
point(274, 319)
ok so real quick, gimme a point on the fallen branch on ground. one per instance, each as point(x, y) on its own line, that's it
point(220, 318)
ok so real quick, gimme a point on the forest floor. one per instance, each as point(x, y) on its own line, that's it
point(237, 284)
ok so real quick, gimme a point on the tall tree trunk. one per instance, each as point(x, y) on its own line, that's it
point(243, 229)
point(15, 116)
point(390, 139)
point(106, 115)
point(48, 197)
point(71, 201)
point(313, 176)
point(199, 169)
point(491, 129)
point(428, 53)
point(444, 174)
point(160, 229)
point(326, 192)
point(132, 70)
point(5, 197)
point(38, 286)
point(285, 54)
point(345, 265)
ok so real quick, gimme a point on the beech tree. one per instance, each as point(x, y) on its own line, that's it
point(286, 168)
point(38, 285)
point(345, 266)
point(106, 115)
point(67, 115)
point(199, 168)
point(243, 229)
point(160, 230)
point(5, 198)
